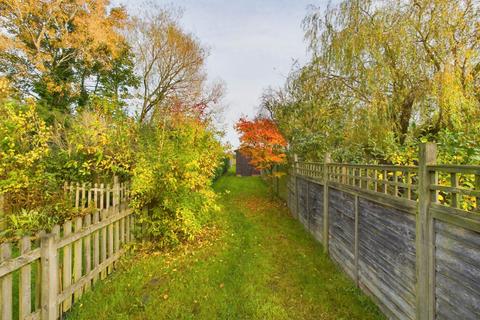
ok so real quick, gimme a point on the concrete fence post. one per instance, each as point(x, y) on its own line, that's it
point(326, 161)
point(49, 289)
point(425, 268)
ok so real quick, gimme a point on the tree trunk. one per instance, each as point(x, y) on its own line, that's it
point(404, 116)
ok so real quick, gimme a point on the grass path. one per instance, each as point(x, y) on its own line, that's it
point(255, 262)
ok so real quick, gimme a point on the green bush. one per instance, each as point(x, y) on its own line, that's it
point(172, 163)
point(222, 168)
point(36, 159)
point(24, 150)
point(95, 143)
point(171, 188)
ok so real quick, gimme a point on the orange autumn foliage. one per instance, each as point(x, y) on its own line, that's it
point(262, 142)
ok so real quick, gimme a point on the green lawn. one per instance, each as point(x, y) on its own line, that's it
point(254, 262)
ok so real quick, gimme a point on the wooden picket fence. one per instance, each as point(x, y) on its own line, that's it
point(98, 195)
point(41, 277)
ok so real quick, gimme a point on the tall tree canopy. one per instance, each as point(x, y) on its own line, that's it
point(169, 61)
point(59, 51)
point(383, 76)
point(71, 74)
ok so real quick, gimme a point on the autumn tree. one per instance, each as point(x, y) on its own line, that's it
point(55, 50)
point(69, 70)
point(114, 78)
point(383, 76)
point(168, 60)
point(262, 143)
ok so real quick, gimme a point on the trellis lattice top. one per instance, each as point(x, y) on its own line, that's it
point(453, 186)
point(397, 181)
point(310, 169)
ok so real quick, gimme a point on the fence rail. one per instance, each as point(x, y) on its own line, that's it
point(408, 235)
point(41, 277)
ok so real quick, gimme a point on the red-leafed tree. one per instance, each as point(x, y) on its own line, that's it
point(262, 142)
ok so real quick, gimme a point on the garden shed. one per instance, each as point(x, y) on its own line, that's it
point(243, 166)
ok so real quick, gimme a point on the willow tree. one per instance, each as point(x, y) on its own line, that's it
point(391, 72)
point(308, 111)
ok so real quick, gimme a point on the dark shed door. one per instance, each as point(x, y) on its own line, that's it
point(244, 168)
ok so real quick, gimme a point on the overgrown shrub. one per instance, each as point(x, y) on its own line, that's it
point(171, 187)
point(222, 168)
point(173, 162)
point(24, 148)
point(96, 143)
point(35, 160)
point(28, 222)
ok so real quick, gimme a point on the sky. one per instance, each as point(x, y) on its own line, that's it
point(253, 45)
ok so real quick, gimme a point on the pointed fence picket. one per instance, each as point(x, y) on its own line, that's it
point(53, 270)
point(98, 196)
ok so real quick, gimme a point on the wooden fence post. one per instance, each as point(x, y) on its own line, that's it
point(356, 238)
point(2, 212)
point(87, 245)
point(295, 170)
point(25, 283)
point(425, 235)
point(307, 206)
point(67, 264)
point(6, 284)
point(49, 276)
point(276, 180)
point(116, 194)
point(325, 203)
point(77, 258)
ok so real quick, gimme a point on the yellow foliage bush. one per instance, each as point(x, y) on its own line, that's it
point(171, 188)
point(24, 139)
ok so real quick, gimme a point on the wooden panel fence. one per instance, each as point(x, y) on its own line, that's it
point(409, 236)
point(41, 277)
